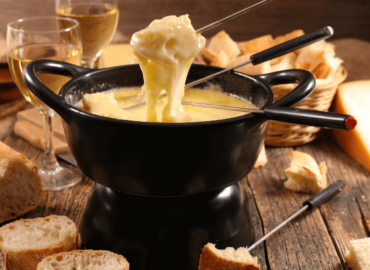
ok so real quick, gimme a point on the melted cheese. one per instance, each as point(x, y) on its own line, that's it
point(165, 50)
point(99, 104)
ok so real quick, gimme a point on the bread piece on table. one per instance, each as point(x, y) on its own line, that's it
point(227, 259)
point(257, 45)
point(27, 241)
point(221, 60)
point(222, 42)
point(84, 259)
point(358, 256)
point(304, 175)
point(20, 184)
point(262, 158)
point(287, 62)
point(250, 69)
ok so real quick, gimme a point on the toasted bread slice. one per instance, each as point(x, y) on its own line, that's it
point(304, 175)
point(250, 69)
point(84, 260)
point(222, 42)
point(308, 55)
point(27, 241)
point(257, 45)
point(227, 259)
point(221, 60)
point(358, 255)
point(325, 63)
point(208, 55)
point(20, 184)
point(287, 62)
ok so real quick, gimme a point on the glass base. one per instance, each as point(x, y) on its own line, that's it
point(64, 176)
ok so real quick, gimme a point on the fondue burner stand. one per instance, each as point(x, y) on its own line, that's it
point(165, 232)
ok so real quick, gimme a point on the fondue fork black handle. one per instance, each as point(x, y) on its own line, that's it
point(316, 200)
point(310, 118)
point(42, 91)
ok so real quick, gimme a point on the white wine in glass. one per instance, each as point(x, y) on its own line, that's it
point(45, 38)
point(98, 21)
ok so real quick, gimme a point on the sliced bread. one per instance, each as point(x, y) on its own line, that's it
point(304, 175)
point(20, 184)
point(358, 256)
point(227, 259)
point(84, 260)
point(24, 243)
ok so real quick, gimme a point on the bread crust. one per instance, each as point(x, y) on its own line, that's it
point(12, 166)
point(47, 260)
point(21, 259)
point(210, 260)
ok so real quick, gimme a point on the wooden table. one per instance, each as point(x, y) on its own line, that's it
point(315, 240)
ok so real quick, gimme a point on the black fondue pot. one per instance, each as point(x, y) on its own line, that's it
point(164, 190)
point(163, 159)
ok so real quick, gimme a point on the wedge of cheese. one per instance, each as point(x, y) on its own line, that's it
point(117, 55)
point(353, 98)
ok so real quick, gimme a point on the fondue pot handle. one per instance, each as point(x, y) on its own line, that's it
point(279, 111)
point(41, 90)
point(306, 85)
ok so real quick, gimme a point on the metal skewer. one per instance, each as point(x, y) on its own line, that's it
point(230, 17)
point(318, 199)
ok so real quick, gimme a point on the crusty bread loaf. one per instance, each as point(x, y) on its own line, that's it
point(27, 241)
point(84, 259)
point(227, 259)
point(20, 184)
point(358, 256)
point(304, 175)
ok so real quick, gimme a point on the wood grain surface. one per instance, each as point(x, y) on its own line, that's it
point(348, 18)
point(316, 240)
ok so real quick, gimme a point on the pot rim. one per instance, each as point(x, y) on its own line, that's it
point(89, 73)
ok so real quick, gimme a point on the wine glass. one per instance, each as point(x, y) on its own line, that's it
point(45, 38)
point(98, 21)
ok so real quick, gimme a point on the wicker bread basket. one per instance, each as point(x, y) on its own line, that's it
point(283, 134)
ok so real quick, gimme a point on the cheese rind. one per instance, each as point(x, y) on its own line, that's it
point(352, 98)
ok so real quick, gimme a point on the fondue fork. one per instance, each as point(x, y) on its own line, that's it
point(230, 17)
point(276, 51)
point(266, 55)
point(316, 200)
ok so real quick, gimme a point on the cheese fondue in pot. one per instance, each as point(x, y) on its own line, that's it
point(165, 50)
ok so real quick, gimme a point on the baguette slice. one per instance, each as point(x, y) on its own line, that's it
point(304, 175)
point(84, 259)
point(227, 259)
point(20, 184)
point(262, 158)
point(221, 60)
point(27, 241)
point(358, 256)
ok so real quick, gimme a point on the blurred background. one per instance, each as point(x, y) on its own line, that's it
point(349, 18)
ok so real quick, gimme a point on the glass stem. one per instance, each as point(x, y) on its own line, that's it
point(50, 164)
point(88, 63)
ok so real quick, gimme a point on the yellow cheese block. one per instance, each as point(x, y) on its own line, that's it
point(353, 98)
point(117, 55)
